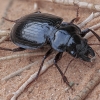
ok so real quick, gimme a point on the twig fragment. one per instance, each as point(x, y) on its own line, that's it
point(95, 80)
point(31, 79)
point(90, 18)
point(21, 55)
point(4, 33)
point(19, 71)
point(91, 6)
point(94, 27)
point(17, 56)
point(2, 20)
point(36, 7)
point(3, 39)
point(6, 11)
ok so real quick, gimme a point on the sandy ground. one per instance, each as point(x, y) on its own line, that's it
point(49, 86)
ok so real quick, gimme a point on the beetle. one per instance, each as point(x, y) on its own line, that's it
point(35, 30)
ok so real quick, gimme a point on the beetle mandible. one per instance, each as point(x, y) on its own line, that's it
point(35, 30)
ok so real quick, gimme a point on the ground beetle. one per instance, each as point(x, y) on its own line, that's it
point(38, 29)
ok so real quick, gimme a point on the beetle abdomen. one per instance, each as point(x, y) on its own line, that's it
point(31, 31)
point(31, 36)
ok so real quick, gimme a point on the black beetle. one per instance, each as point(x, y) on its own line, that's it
point(38, 29)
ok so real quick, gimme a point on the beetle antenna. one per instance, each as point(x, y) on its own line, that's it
point(9, 20)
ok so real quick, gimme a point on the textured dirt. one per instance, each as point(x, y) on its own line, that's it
point(49, 86)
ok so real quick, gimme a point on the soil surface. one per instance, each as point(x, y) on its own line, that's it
point(49, 85)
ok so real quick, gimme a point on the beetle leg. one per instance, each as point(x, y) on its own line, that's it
point(72, 21)
point(45, 56)
point(57, 58)
point(6, 49)
point(77, 16)
point(10, 20)
point(14, 50)
point(84, 32)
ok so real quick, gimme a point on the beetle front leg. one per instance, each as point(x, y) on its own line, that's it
point(84, 32)
point(57, 58)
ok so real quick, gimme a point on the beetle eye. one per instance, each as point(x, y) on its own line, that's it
point(73, 53)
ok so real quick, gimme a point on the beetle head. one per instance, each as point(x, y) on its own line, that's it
point(84, 51)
